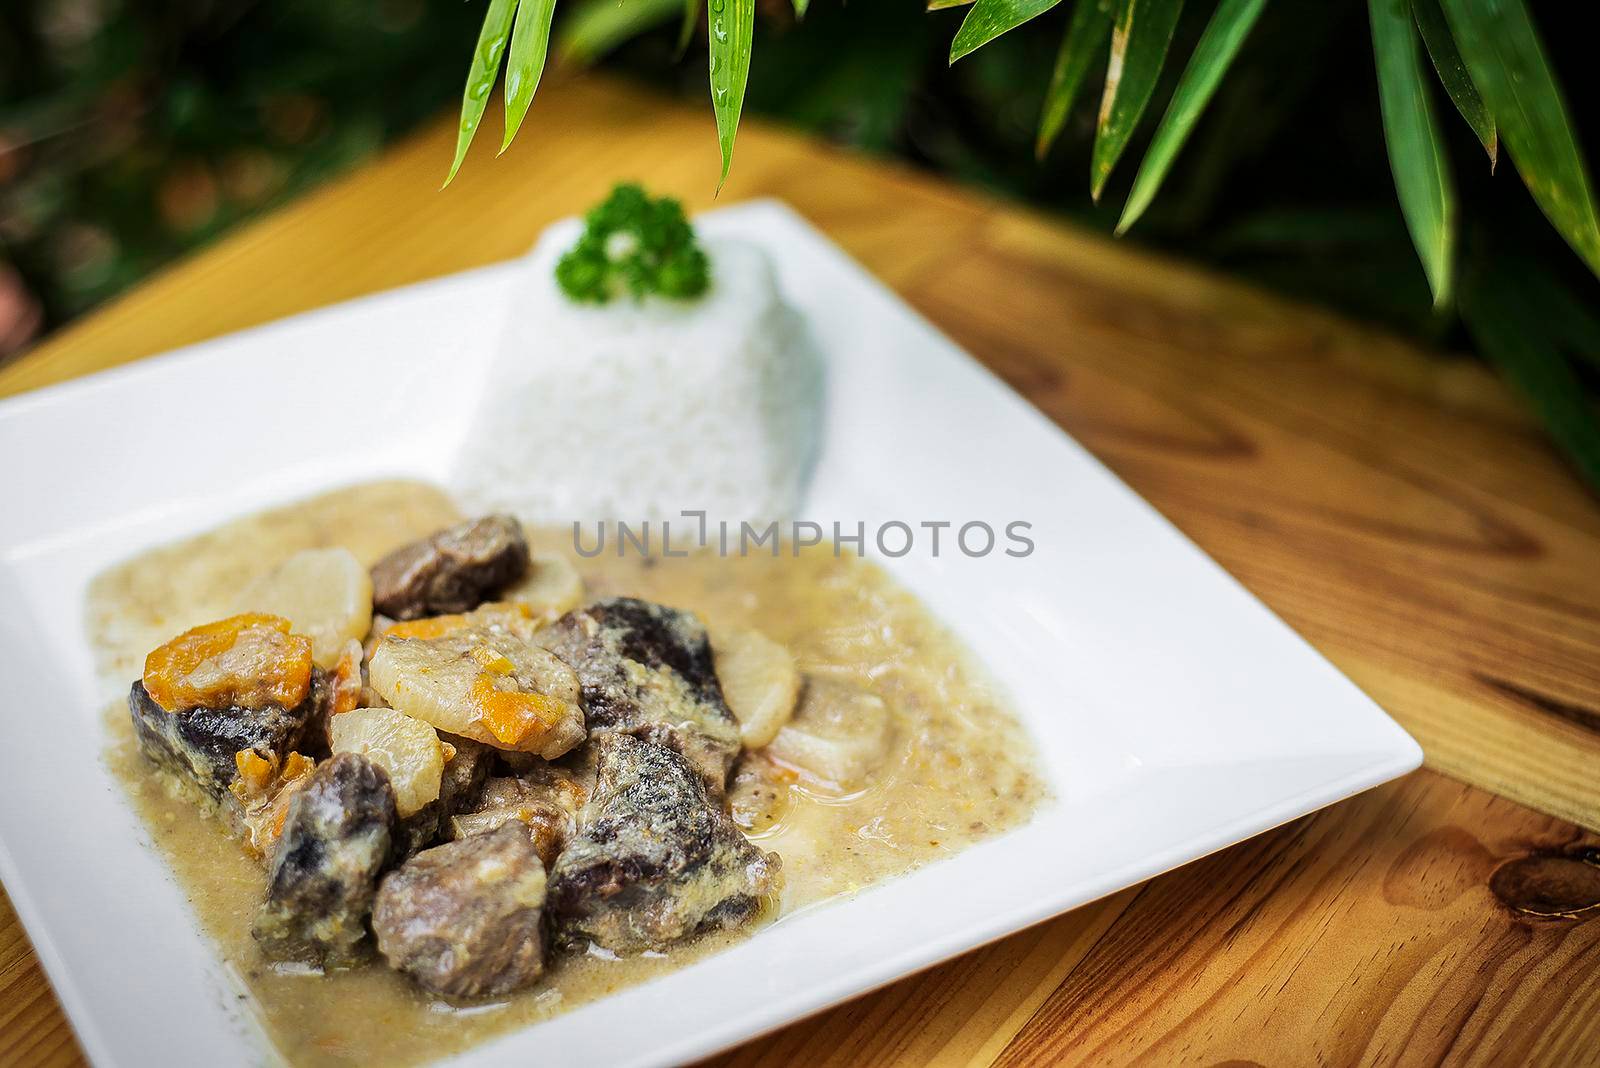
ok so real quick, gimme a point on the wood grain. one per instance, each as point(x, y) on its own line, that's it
point(1370, 927)
point(961, 1013)
point(1398, 509)
point(1365, 934)
point(33, 1029)
point(1423, 538)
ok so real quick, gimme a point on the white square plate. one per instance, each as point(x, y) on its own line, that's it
point(1173, 712)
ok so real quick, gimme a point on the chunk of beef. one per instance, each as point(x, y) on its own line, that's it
point(454, 570)
point(417, 831)
point(655, 858)
point(345, 686)
point(545, 798)
point(336, 840)
point(459, 790)
point(464, 774)
point(463, 919)
point(200, 746)
point(646, 670)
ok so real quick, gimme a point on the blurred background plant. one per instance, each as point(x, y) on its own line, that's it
point(130, 133)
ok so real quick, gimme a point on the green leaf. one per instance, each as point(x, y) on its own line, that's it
point(1139, 41)
point(590, 30)
point(691, 13)
point(988, 19)
point(1453, 75)
point(530, 41)
point(1515, 340)
point(1083, 43)
point(1507, 63)
point(800, 8)
point(1220, 42)
point(480, 77)
point(732, 28)
point(1416, 154)
point(944, 5)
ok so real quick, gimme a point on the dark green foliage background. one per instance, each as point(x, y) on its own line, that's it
point(132, 132)
point(135, 130)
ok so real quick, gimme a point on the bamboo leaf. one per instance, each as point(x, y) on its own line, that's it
point(481, 75)
point(1220, 42)
point(1139, 41)
point(988, 19)
point(1507, 63)
point(590, 30)
point(945, 5)
point(530, 41)
point(1083, 43)
point(1512, 336)
point(1453, 75)
point(691, 16)
point(732, 29)
point(800, 8)
point(1416, 155)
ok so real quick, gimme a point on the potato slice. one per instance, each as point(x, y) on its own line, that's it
point(839, 736)
point(325, 593)
point(551, 588)
point(408, 749)
point(759, 681)
point(758, 793)
point(484, 684)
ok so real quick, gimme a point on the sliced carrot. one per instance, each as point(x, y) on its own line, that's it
point(255, 771)
point(249, 661)
point(346, 680)
point(495, 663)
point(510, 716)
point(431, 627)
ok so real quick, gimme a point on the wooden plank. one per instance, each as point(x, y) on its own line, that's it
point(33, 1029)
point(1396, 512)
point(1367, 934)
point(960, 1013)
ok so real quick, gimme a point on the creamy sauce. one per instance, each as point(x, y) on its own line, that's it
point(961, 768)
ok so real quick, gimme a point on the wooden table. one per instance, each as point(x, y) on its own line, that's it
point(1397, 508)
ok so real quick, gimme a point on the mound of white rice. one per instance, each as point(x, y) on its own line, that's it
point(642, 410)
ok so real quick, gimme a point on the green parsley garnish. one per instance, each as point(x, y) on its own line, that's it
point(633, 244)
